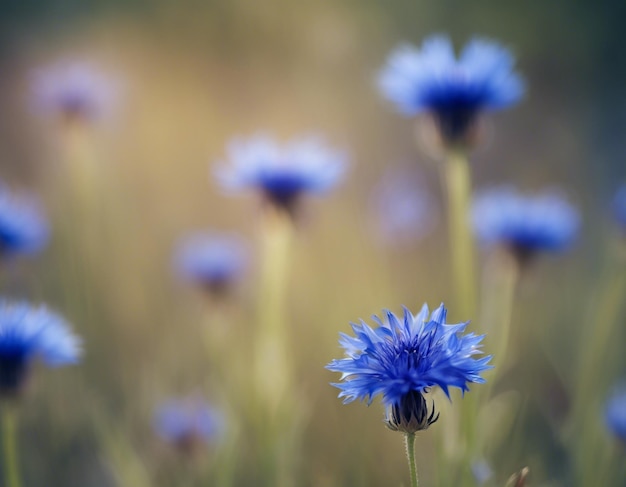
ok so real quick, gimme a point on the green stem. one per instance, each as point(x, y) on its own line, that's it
point(499, 288)
point(9, 443)
point(458, 185)
point(275, 407)
point(272, 362)
point(409, 441)
point(458, 188)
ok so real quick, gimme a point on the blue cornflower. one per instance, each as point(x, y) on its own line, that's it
point(210, 260)
point(27, 333)
point(402, 359)
point(615, 414)
point(402, 208)
point(188, 423)
point(73, 89)
point(282, 173)
point(23, 228)
point(524, 224)
point(430, 80)
point(619, 206)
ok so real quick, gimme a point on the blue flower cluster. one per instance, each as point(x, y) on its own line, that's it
point(23, 228)
point(211, 260)
point(27, 333)
point(281, 173)
point(74, 90)
point(188, 423)
point(401, 359)
point(525, 224)
point(454, 91)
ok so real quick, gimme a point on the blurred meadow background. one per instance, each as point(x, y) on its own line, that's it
point(191, 75)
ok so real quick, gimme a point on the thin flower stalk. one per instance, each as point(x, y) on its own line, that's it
point(458, 188)
point(409, 439)
point(273, 369)
point(9, 444)
point(502, 275)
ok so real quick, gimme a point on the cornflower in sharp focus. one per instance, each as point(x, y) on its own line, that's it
point(188, 423)
point(212, 261)
point(282, 173)
point(28, 333)
point(23, 228)
point(403, 358)
point(524, 224)
point(454, 92)
point(615, 413)
point(74, 91)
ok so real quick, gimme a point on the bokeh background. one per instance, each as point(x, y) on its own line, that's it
point(193, 74)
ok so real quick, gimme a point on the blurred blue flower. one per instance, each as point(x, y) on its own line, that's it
point(401, 359)
point(188, 423)
point(615, 414)
point(619, 206)
point(481, 471)
point(454, 91)
point(27, 333)
point(402, 208)
point(75, 90)
point(281, 173)
point(23, 228)
point(524, 224)
point(210, 260)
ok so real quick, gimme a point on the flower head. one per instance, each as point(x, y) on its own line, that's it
point(453, 91)
point(402, 208)
point(282, 173)
point(615, 413)
point(210, 260)
point(188, 423)
point(524, 224)
point(75, 90)
point(619, 206)
point(23, 229)
point(403, 358)
point(27, 333)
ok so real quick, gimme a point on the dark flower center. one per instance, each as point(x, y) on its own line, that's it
point(13, 369)
point(283, 190)
point(455, 120)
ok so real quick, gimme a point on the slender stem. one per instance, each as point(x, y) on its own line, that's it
point(499, 287)
point(9, 444)
point(458, 185)
point(272, 364)
point(275, 406)
point(409, 441)
point(457, 182)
